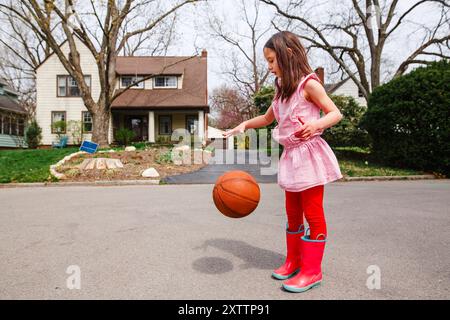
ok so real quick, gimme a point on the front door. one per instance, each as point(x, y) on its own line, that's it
point(139, 125)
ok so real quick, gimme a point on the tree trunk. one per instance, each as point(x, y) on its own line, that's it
point(100, 125)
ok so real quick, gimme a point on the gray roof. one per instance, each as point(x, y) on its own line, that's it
point(7, 88)
point(9, 104)
point(332, 87)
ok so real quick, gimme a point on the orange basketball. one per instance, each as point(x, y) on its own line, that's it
point(236, 194)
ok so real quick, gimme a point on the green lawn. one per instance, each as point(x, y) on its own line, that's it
point(356, 162)
point(33, 165)
point(30, 165)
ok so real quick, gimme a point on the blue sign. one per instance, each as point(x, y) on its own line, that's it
point(89, 146)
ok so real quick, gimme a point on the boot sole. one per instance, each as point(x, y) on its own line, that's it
point(303, 289)
point(280, 277)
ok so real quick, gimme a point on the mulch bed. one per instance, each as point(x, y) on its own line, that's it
point(134, 162)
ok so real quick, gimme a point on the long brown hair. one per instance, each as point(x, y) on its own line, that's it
point(293, 67)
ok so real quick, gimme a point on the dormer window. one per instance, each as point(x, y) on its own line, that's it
point(165, 82)
point(125, 81)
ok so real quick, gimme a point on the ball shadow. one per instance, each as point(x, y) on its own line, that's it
point(252, 257)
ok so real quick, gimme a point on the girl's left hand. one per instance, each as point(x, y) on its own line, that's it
point(307, 129)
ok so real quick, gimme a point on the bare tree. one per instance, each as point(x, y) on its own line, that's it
point(229, 106)
point(349, 34)
point(81, 22)
point(245, 65)
point(23, 50)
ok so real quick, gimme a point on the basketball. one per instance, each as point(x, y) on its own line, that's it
point(236, 194)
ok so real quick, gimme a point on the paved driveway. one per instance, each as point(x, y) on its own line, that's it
point(170, 242)
point(227, 161)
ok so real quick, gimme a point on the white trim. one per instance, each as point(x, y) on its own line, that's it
point(151, 126)
point(201, 125)
point(165, 87)
point(141, 85)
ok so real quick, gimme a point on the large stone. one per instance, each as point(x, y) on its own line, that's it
point(119, 163)
point(82, 166)
point(101, 163)
point(111, 163)
point(150, 173)
point(131, 148)
point(90, 165)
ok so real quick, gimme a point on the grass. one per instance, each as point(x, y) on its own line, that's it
point(33, 165)
point(357, 162)
point(30, 165)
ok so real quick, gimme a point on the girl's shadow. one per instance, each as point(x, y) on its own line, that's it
point(252, 257)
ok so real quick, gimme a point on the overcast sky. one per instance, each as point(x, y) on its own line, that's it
point(192, 18)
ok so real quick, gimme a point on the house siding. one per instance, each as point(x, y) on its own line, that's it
point(46, 92)
point(349, 88)
point(12, 141)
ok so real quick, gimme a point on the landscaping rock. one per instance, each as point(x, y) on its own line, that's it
point(90, 164)
point(101, 163)
point(150, 173)
point(130, 148)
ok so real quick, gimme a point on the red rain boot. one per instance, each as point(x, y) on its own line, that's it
point(293, 256)
point(310, 275)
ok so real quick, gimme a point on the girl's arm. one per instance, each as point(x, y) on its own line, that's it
point(256, 122)
point(315, 92)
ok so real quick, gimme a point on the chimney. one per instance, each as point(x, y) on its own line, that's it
point(204, 53)
point(321, 74)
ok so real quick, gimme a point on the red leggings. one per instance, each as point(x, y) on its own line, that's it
point(309, 202)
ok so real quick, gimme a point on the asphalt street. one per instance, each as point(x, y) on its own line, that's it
point(170, 242)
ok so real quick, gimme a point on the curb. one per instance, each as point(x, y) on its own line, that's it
point(387, 178)
point(83, 183)
point(157, 182)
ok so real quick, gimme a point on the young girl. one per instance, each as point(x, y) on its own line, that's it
point(307, 162)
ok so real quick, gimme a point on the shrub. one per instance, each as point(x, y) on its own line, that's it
point(408, 119)
point(124, 136)
point(33, 135)
point(74, 128)
point(347, 133)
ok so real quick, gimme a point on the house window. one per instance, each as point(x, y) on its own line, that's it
point(68, 87)
point(6, 125)
point(125, 81)
point(1, 123)
point(58, 116)
point(192, 124)
point(165, 125)
point(13, 126)
point(165, 82)
point(87, 121)
point(21, 124)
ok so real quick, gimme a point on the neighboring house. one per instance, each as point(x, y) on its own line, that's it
point(176, 98)
point(343, 88)
point(346, 87)
point(13, 118)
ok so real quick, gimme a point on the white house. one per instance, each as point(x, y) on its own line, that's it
point(346, 87)
point(176, 97)
point(13, 118)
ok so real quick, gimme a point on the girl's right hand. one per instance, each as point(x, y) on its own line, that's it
point(239, 129)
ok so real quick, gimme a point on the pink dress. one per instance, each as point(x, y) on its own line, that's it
point(303, 163)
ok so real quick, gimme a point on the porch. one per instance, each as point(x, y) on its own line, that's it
point(158, 125)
